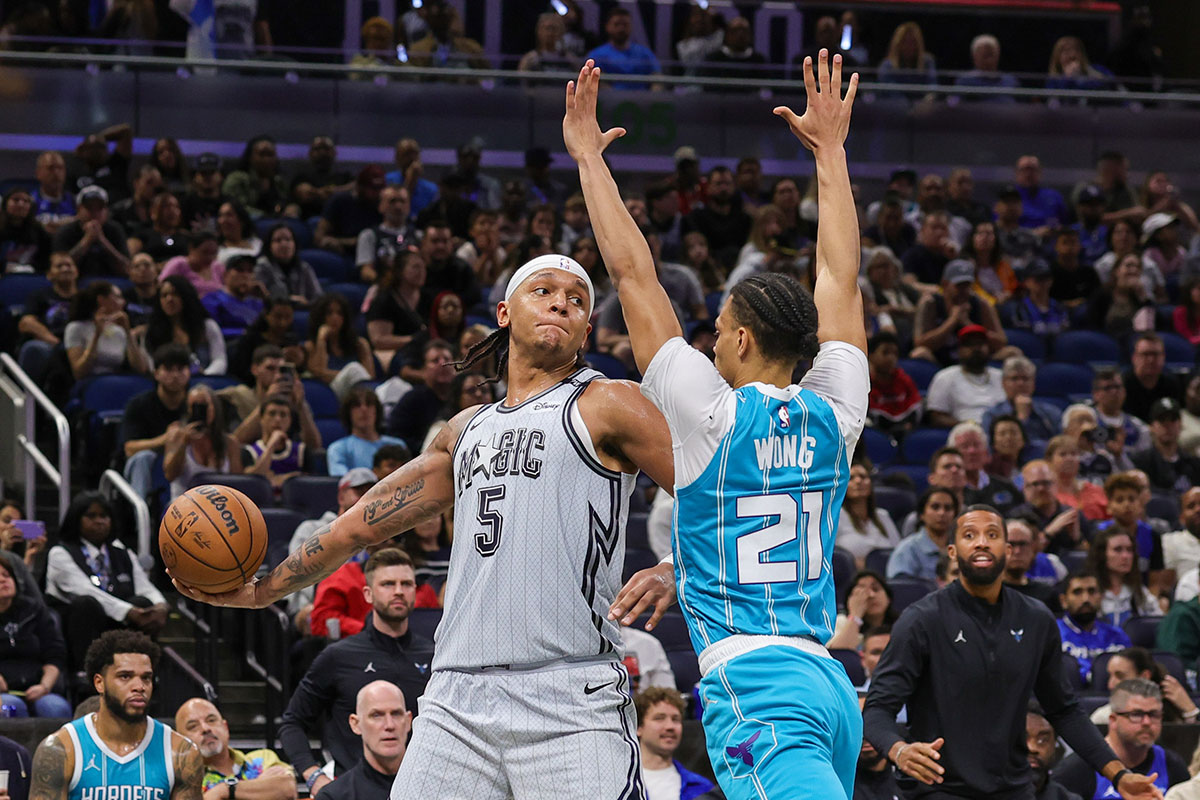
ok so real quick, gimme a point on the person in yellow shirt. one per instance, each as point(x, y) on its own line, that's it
point(231, 774)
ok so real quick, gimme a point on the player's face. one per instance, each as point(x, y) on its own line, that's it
point(392, 592)
point(548, 314)
point(661, 728)
point(126, 686)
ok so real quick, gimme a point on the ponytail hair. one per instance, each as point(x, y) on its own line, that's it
point(780, 313)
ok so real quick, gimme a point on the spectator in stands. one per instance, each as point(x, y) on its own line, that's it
point(968, 389)
point(201, 445)
point(907, 60)
point(1073, 282)
point(864, 526)
point(1112, 179)
point(1034, 310)
point(1041, 743)
point(379, 47)
point(1006, 434)
point(543, 189)
point(468, 389)
point(916, 556)
point(386, 649)
point(1064, 526)
point(1181, 549)
point(335, 354)
point(95, 243)
point(202, 201)
point(1113, 557)
point(994, 278)
point(1022, 543)
point(696, 256)
point(1133, 728)
point(418, 409)
point(1038, 418)
point(1071, 69)
point(868, 606)
point(428, 545)
point(54, 206)
point(165, 237)
point(98, 340)
point(619, 55)
point(1108, 398)
point(736, 59)
point(445, 46)
point(24, 243)
point(256, 183)
point(133, 213)
point(275, 455)
point(925, 262)
point(893, 296)
point(960, 198)
point(282, 272)
point(10, 536)
point(1062, 453)
point(1102, 448)
point(400, 310)
point(237, 305)
point(941, 318)
point(378, 246)
point(149, 416)
point(764, 251)
point(274, 327)
point(321, 179)
point(891, 229)
point(483, 250)
point(227, 770)
point(1122, 241)
point(408, 172)
point(874, 775)
point(971, 443)
point(1084, 634)
point(1020, 244)
point(33, 656)
point(1185, 319)
point(100, 167)
point(1042, 208)
point(721, 219)
point(1146, 382)
point(142, 296)
point(701, 37)
point(931, 198)
point(985, 60)
point(1128, 508)
point(1093, 233)
point(167, 157)
point(659, 731)
point(645, 660)
point(349, 213)
point(180, 318)
point(94, 583)
point(362, 415)
point(384, 722)
point(1169, 469)
point(1163, 255)
point(895, 402)
point(443, 270)
point(200, 267)
point(481, 189)
point(235, 233)
point(1121, 307)
point(1160, 196)
point(665, 218)
point(547, 53)
point(1136, 662)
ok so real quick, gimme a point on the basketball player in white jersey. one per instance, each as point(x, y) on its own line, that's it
point(528, 698)
point(118, 751)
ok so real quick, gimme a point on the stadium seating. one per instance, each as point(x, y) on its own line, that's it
point(852, 662)
point(329, 266)
point(636, 560)
point(281, 524)
point(1028, 343)
point(321, 399)
point(906, 591)
point(1180, 352)
point(312, 495)
point(877, 559)
point(255, 487)
point(610, 366)
point(686, 668)
point(915, 474)
point(331, 429)
point(635, 531)
point(1164, 506)
point(1063, 380)
point(353, 292)
point(843, 570)
point(1142, 631)
point(302, 232)
point(1085, 347)
point(300, 324)
point(880, 447)
point(671, 631)
point(920, 370)
point(15, 289)
point(920, 445)
point(899, 503)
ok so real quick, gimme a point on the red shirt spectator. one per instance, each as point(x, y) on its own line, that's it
point(894, 401)
point(340, 597)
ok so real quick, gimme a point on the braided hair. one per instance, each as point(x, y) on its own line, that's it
point(496, 343)
point(780, 313)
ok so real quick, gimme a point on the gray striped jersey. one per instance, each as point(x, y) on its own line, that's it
point(539, 537)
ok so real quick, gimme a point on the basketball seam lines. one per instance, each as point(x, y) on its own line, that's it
point(178, 544)
point(250, 531)
point(223, 540)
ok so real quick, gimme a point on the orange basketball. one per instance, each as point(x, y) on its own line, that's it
point(213, 538)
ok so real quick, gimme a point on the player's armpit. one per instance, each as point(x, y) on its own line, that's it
point(628, 431)
point(51, 769)
point(189, 770)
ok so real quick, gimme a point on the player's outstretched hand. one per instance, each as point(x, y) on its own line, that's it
point(1139, 787)
point(581, 130)
point(920, 760)
point(827, 118)
point(246, 596)
point(650, 587)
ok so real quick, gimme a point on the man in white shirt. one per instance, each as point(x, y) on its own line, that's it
point(659, 730)
point(646, 660)
point(1181, 549)
point(965, 391)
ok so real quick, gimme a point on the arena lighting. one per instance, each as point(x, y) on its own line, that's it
point(702, 3)
point(560, 7)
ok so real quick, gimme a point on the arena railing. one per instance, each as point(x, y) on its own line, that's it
point(181, 681)
point(35, 459)
point(114, 482)
point(267, 655)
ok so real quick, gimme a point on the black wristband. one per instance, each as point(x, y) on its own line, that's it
point(1121, 773)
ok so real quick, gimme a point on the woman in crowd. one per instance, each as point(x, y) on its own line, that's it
point(697, 256)
point(907, 60)
point(166, 237)
point(468, 389)
point(362, 415)
point(235, 233)
point(24, 243)
point(893, 296)
point(281, 271)
point(1121, 307)
point(273, 326)
point(868, 604)
point(587, 253)
point(200, 266)
point(401, 306)
point(1123, 593)
point(98, 340)
point(200, 445)
point(1136, 662)
point(335, 354)
point(1162, 251)
point(172, 165)
point(701, 38)
point(1062, 452)
point(446, 317)
point(1186, 317)
point(94, 582)
point(1159, 195)
point(543, 221)
point(547, 52)
point(795, 230)
point(32, 654)
point(1070, 68)
point(1033, 309)
point(864, 526)
point(256, 183)
point(763, 251)
point(180, 317)
point(1122, 240)
point(994, 278)
point(1007, 436)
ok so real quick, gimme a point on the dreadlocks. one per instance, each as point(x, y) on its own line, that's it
point(780, 313)
point(496, 343)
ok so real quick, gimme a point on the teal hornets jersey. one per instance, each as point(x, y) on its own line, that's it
point(146, 773)
point(753, 535)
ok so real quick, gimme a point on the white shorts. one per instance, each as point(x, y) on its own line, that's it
point(566, 732)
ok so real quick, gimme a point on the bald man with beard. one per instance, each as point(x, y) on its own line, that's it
point(231, 774)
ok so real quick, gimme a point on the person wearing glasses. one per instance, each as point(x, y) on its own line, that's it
point(1133, 730)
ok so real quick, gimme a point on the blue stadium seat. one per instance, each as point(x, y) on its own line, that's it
point(637, 502)
point(328, 266)
point(920, 444)
point(1063, 380)
point(712, 301)
point(610, 366)
point(15, 289)
point(1072, 559)
point(1070, 666)
point(916, 474)
point(671, 631)
point(843, 570)
point(1171, 663)
point(311, 495)
point(899, 503)
point(906, 591)
point(353, 292)
point(635, 531)
point(321, 399)
point(1179, 350)
point(331, 429)
point(111, 392)
point(877, 559)
point(1164, 506)
point(1060, 403)
point(920, 370)
point(637, 559)
point(1142, 631)
point(281, 524)
point(880, 447)
point(686, 667)
point(852, 662)
point(1028, 343)
point(300, 324)
point(424, 621)
point(1084, 347)
point(255, 487)
point(302, 232)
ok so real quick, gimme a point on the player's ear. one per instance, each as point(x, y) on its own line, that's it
point(502, 314)
point(98, 683)
point(367, 594)
point(354, 725)
point(952, 551)
point(743, 342)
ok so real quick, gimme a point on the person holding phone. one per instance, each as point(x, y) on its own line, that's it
point(32, 653)
point(14, 530)
point(201, 444)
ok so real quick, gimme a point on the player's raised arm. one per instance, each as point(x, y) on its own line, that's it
point(648, 312)
point(823, 130)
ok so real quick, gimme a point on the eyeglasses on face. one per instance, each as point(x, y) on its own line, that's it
point(1139, 716)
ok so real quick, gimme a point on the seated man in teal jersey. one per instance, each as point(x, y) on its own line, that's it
point(761, 464)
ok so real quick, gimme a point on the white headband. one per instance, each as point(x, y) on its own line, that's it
point(565, 263)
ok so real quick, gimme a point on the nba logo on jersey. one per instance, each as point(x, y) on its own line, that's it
point(785, 419)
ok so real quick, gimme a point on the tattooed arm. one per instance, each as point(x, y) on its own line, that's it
point(53, 763)
point(421, 489)
point(189, 769)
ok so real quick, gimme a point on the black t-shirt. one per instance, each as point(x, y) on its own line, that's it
point(927, 265)
point(200, 213)
point(146, 416)
point(112, 176)
point(1139, 399)
point(726, 233)
point(162, 247)
point(453, 275)
point(413, 415)
point(1080, 778)
point(52, 308)
point(137, 307)
point(405, 321)
point(900, 245)
point(349, 216)
point(96, 260)
point(1073, 284)
point(25, 249)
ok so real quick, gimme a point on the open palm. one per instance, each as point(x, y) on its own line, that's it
point(827, 118)
point(581, 130)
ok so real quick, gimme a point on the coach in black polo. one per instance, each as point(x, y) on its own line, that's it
point(965, 661)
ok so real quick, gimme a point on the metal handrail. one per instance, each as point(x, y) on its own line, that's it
point(278, 680)
point(35, 459)
point(141, 512)
point(190, 672)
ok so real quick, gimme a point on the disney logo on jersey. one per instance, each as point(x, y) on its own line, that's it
point(507, 453)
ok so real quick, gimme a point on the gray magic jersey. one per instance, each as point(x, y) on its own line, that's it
point(539, 537)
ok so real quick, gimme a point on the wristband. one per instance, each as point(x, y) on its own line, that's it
point(900, 752)
point(1121, 773)
point(856, 620)
point(1191, 715)
point(311, 779)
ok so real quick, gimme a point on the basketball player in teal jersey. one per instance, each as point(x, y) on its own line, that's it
point(118, 753)
point(761, 464)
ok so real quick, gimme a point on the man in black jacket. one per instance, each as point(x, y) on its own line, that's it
point(384, 722)
point(385, 650)
point(965, 661)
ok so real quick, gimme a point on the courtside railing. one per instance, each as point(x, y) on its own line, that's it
point(35, 460)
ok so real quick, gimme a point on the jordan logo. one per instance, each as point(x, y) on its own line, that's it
point(370, 667)
point(960, 637)
point(92, 764)
point(742, 751)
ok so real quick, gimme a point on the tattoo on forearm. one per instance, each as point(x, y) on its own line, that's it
point(391, 502)
point(189, 766)
point(49, 771)
point(313, 546)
